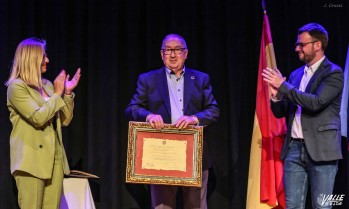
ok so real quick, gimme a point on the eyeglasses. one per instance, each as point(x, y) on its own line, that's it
point(176, 51)
point(301, 45)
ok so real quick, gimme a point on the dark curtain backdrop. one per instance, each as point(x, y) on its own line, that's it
point(113, 41)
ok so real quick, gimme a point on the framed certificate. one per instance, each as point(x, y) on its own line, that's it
point(168, 156)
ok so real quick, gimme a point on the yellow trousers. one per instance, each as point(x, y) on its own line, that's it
point(35, 193)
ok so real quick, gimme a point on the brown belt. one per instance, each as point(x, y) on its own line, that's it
point(298, 139)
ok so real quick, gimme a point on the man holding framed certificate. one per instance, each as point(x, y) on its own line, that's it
point(180, 96)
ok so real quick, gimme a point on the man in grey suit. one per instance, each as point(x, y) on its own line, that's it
point(310, 100)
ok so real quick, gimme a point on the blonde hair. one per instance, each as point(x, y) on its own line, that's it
point(27, 62)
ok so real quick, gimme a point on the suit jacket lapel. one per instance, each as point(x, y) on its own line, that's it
point(188, 88)
point(299, 78)
point(321, 67)
point(47, 90)
point(36, 95)
point(162, 86)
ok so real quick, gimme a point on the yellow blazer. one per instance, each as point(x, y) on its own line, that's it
point(35, 125)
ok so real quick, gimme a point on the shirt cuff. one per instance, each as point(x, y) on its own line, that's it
point(72, 95)
point(275, 99)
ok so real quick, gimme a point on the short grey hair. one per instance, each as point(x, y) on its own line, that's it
point(175, 36)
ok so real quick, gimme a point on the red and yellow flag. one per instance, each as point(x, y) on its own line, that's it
point(265, 186)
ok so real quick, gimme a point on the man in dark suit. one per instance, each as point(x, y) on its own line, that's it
point(310, 101)
point(176, 95)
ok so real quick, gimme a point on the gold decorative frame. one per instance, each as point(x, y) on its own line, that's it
point(192, 137)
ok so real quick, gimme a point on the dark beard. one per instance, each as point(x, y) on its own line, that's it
point(309, 58)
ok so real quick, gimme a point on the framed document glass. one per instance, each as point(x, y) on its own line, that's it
point(168, 156)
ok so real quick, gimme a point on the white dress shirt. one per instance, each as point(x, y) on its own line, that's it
point(297, 131)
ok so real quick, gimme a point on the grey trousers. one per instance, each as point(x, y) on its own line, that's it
point(164, 197)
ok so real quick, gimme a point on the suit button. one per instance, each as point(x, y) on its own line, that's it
point(40, 146)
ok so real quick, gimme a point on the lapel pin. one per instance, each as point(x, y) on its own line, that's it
point(192, 77)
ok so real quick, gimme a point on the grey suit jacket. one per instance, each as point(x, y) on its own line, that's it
point(320, 110)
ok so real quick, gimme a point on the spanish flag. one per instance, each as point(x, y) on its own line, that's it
point(265, 186)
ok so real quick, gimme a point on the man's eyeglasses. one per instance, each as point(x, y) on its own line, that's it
point(176, 51)
point(301, 45)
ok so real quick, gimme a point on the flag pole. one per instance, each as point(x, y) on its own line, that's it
point(264, 7)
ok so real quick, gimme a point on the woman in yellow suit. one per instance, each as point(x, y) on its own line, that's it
point(38, 109)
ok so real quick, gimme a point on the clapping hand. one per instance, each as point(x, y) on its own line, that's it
point(274, 78)
point(71, 84)
point(59, 83)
